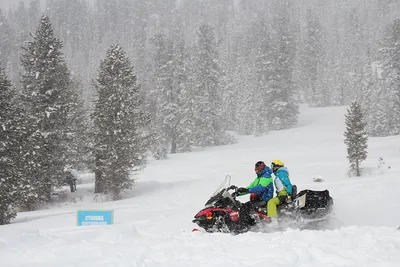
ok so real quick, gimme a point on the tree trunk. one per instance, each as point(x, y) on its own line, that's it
point(173, 143)
point(99, 182)
point(47, 189)
point(357, 168)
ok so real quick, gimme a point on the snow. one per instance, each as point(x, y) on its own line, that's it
point(153, 223)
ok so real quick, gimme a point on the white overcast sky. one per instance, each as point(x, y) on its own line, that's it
point(5, 3)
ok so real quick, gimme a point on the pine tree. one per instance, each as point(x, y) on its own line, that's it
point(228, 94)
point(377, 112)
point(164, 99)
point(316, 94)
point(207, 114)
point(9, 179)
point(78, 141)
point(120, 140)
point(183, 128)
point(390, 60)
point(6, 42)
point(245, 81)
point(373, 101)
point(356, 137)
point(381, 93)
point(283, 109)
point(244, 86)
point(353, 58)
point(263, 72)
point(170, 99)
point(48, 101)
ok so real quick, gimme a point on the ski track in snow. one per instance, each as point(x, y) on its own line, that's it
point(153, 223)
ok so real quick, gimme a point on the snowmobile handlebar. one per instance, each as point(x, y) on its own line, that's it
point(233, 187)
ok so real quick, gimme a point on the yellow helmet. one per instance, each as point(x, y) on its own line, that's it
point(277, 163)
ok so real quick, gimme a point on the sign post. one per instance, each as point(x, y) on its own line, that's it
point(95, 217)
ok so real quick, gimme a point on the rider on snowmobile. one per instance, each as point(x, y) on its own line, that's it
point(283, 187)
point(262, 186)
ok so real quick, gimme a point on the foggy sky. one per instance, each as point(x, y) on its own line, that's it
point(4, 4)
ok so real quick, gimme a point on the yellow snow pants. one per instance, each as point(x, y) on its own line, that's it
point(273, 202)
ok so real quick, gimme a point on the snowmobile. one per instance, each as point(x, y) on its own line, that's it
point(221, 212)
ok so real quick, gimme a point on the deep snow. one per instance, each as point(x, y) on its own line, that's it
point(153, 224)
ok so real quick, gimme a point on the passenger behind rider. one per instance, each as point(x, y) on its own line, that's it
point(262, 186)
point(283, 188)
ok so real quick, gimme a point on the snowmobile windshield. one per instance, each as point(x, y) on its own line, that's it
point(224, 185)
point(221, 193)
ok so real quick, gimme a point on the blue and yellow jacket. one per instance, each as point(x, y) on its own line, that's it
point(262, 185)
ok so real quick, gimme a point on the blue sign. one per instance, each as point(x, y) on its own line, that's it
point(95, 217)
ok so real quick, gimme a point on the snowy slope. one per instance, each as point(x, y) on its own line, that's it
point(153, 224)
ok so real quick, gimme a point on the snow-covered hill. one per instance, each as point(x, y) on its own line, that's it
point(153, 224)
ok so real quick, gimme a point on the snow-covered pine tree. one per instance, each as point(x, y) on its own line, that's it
point(390, 61)
point(356, 137)
point(181, 79)
point(315, 94)
point(207, 96)
point(376, 112)
point(6, 41)
point(381, 93)
point(333, 65)
point(169, 101)
point(244, 86)
point(47, 99)
point(120, 124)
point(9, 178)
point(283, 108)
point(353, 56)
point(373, 100)
point(391, 85)
point(228, 95)
point(79, 138)
point(263, 73)
point(244, 81)
point(163, 98)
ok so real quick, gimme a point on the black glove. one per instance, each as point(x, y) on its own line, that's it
point(232, 187)
point(285, 199)
point(243, 190)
